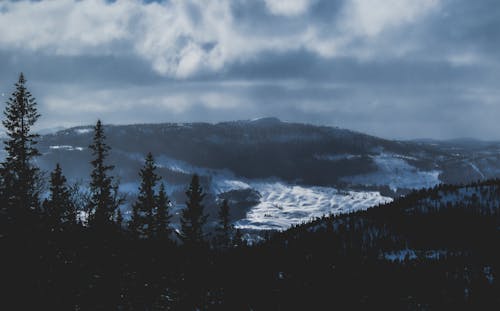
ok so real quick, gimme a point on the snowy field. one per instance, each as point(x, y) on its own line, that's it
point(282, 205)
point(394, 171)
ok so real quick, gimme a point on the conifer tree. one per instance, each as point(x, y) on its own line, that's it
point(18, 173)
point(59, 206)
point(238, 240)
point(162, 215)
point(133, 224)
point(103, 193)
point(144, 207)
point(119, 218)
point(224, 228)
point(193, 219)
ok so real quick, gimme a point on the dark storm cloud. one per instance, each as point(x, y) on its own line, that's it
point(400, 69)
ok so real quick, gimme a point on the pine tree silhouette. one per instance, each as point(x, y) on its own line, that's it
point(19, 175)
point(119, 218)
point(193, 219)
point(144, 208)
point(238, 240)
point(59, 206)
point(103, 199)
point(224, 228)
point(162, 215)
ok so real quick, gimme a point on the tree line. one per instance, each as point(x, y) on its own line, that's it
point(65, 206)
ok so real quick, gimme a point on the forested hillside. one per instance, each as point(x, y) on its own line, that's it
point(432, 250)
point(64, 248)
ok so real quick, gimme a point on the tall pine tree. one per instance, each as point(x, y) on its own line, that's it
point(18, 172)
point(119, 218)
point(143, 210)
point(162, 215)
point(224, 230)
point(193, 219)
point(103, 193)
point(59, 207)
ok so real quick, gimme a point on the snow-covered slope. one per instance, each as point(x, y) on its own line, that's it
point(280, 204)
point(283, 205)
point(394, 171)
point(274, 173)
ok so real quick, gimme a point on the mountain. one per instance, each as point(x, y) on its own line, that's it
point(275, 173)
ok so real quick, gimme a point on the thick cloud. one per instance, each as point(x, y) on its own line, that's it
point(180, 38)
point(396, 68)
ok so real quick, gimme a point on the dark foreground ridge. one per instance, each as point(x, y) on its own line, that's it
point(434, 249)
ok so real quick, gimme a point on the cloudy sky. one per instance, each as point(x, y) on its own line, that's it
point(392, 68)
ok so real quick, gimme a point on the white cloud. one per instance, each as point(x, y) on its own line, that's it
point(183, 37)
point(64, 26)
point(288, 7)
point(371, 17)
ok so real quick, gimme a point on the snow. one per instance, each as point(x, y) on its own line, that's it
point(394, 171)
point(268, 120)
point(477, 170)
point(411, 254)
point(283, 205)
point(83, 131)
point(174, 165)
point(404, 157)
point(400, 255)
point(488, 274)
point(336, 157)
point(186, 168)
point(221, 185)
point(485, 197)
point(66, 147)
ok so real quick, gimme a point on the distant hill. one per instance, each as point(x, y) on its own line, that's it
point(269, 157)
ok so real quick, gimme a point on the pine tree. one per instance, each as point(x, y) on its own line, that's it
point(238, 240)
point(162, 216)
point(59, 206)
point(144, 207)
point(134, 223)
point(224, 228)
point(103, 193)
point(19, 175)
point(193, 219)
point(119, 218)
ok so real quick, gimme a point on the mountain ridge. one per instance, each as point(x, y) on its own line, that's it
point(258, 163)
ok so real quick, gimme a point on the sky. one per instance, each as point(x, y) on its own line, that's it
point(400, 69)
